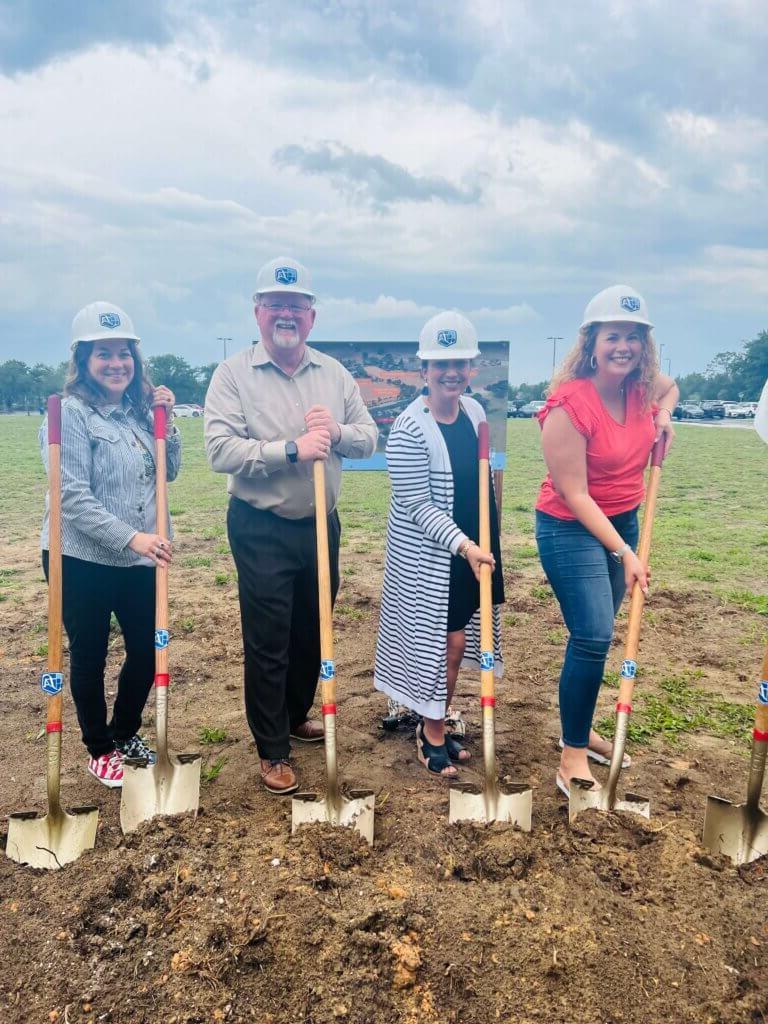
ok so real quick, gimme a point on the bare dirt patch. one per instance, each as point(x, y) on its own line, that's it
point(230, 918)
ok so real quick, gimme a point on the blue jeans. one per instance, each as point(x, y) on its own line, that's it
point(589, 585)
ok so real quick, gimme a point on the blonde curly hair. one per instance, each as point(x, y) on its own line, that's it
point(577, 363)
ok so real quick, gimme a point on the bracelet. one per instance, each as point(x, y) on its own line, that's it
point(464, 547)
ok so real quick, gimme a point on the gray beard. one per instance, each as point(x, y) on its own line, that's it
point(281, 339)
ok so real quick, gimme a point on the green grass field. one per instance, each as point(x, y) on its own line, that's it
point(711, 531)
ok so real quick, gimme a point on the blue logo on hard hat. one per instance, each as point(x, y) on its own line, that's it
point(285, 275)
point(446, 338)
point(110, 320)
point(630, 303)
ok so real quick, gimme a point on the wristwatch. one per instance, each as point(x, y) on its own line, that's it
point(618, 555)
point(291, 451)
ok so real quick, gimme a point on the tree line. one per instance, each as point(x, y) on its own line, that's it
point(26, 388)
point(737, 376)
point(731, 376)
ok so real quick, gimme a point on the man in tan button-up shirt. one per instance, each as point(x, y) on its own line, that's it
point(270, 412)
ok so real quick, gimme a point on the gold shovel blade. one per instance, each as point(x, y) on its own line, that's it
point(356, 812)
point(471, 803)
point(166, 788)
point(584, 797)
point(53, 840)
point(736, 830)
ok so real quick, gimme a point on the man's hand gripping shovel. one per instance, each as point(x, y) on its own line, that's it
point(491, 803)
point(172, 784)
point(740, 831)
point(57, 838)
point(355, 811)
point(583, 795)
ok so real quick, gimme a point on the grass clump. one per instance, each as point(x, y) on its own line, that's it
point(749, 601)
point(211, 770)
point(212, 734)
point(682, 708)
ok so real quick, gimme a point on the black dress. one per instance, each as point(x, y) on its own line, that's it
point(464, 597)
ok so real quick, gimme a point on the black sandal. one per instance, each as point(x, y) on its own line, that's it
point(435, 759)
point(455, 750)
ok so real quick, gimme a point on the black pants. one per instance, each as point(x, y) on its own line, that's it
point(276, 563)
point(90, 593)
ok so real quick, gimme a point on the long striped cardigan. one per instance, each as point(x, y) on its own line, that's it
point(411, 658)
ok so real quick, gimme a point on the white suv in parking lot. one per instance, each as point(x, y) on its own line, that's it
point(740, 410)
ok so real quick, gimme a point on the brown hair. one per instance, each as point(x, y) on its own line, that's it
point(578, 362)
point(80, 382)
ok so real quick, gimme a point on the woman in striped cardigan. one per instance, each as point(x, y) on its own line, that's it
point(429, 607)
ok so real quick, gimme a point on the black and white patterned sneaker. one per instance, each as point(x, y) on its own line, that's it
point(136, 749)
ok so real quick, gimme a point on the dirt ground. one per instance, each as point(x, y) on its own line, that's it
point(230, 918)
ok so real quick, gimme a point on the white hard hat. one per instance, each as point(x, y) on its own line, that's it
point(619, 302)
point(284, 275)
point(448, 336)
point(100, 320)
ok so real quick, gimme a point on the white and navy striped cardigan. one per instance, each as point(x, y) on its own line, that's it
point(421, 537)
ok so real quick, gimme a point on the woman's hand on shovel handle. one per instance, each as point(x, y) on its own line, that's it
point(635, 570)
point(663, 423)
point(153, 546)
point(477, 557)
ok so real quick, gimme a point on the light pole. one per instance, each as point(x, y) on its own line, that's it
point(554, 339)
point(225, 340)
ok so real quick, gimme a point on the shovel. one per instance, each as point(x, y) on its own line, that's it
point(583, 796)
point(740, 831)
point(357, 810)
point(172, 784)
point(58, 837)
point(491, 803)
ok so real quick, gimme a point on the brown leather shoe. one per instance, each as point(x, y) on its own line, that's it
point(308, 732)
point(278, 777)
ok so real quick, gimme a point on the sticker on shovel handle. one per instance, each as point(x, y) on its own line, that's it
point(52, 683)
point(486, 660)
point(162, 639)
point(628, 668)
point(327, 670)
point(762, 693)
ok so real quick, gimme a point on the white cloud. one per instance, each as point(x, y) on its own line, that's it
point(512, 161)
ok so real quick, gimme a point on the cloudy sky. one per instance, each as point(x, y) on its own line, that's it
point(505, 158)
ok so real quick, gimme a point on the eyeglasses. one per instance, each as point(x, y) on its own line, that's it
point(276, 307)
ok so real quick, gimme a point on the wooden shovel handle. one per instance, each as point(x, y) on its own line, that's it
point(55, 629)
point(324, 584)
point(637, 600)
point(161, 506)
point(486, 607)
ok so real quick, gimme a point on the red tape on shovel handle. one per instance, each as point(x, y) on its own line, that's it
point(54, 419)
point(483, 445)
point(161, 421)
point(658, 451)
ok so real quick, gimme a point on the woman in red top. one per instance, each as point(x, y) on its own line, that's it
point(607, 405)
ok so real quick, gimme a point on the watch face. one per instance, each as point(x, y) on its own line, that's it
point(291, 451)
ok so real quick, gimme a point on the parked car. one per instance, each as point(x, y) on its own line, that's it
point(688, 411)
point(713, 410)
point(739, 410)
point(530, 408)
point(512, 408)
point(186, 410)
